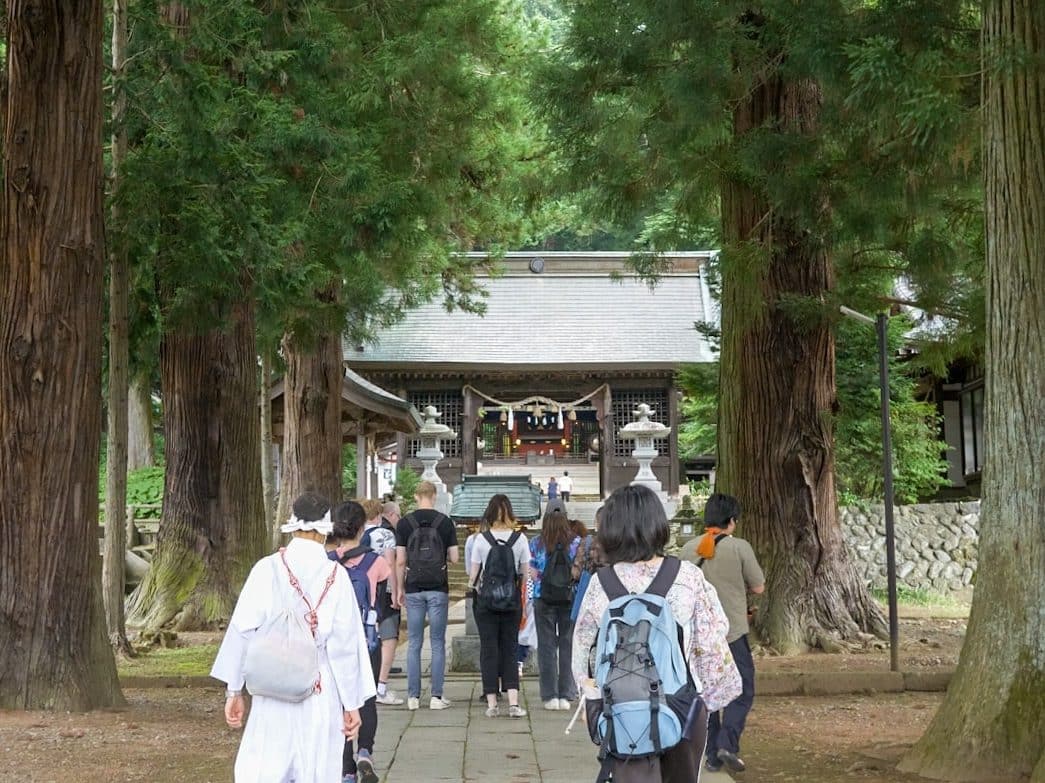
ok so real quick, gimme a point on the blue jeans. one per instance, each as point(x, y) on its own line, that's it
point(433, 605)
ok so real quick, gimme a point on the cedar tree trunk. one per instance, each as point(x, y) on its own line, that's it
point(311, 456)
point(777, 391)
point(140, 452)
point(119, 357)
point(213, 524)
point(268, 477)
point(991, 725)
point(53, 649)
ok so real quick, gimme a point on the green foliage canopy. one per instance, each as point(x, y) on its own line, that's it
point(328, 161)
point(642, 94)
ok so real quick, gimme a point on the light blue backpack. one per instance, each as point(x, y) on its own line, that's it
point(641, 672)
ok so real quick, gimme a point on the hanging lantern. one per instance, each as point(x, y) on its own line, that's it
point(504, 416)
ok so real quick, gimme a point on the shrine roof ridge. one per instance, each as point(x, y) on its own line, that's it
point(542, 320)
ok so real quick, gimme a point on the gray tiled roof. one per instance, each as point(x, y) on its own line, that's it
point(473, 494)
point(555, 319)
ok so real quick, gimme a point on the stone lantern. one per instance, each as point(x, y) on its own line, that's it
point(644, 433)
point(432, 435)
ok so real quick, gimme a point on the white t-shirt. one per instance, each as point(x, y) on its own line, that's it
point(565, 484)
point(381, 538)
point(481, 549)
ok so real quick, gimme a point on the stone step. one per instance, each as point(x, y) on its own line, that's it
point(585, 475)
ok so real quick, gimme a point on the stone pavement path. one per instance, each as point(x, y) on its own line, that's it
point(461, 744)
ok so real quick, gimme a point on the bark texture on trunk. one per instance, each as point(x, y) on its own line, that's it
point(268, 475)
point(213, 525)
point(777, 392)
point(119, 378)
point(53, 648)
point(140, 452)
point(991, 725)
point(311, 454)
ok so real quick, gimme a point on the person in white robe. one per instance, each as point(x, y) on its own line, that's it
point(298, 742)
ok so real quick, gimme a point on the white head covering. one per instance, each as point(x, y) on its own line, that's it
point(323, 525)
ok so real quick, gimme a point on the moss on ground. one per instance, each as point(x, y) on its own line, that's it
point(194, 660)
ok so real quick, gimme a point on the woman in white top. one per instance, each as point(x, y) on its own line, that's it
point(298, 741)
point(498, 621)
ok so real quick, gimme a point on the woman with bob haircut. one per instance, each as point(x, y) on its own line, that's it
point(633, 531)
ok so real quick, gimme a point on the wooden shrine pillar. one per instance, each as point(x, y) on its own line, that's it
point(361, 461)
point(402, 440)
point(603, 404)
point(469, 458)
point(674, 465)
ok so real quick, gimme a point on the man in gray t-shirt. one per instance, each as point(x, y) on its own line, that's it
point(730, 565)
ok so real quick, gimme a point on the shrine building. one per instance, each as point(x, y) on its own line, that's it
point(569, 345)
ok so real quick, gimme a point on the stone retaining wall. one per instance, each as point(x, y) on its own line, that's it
point(936, 545)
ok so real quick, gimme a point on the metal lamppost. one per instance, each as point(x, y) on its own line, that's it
point(881, 324)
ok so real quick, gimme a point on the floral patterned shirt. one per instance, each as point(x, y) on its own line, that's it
point(696, 607)
point(539, 558)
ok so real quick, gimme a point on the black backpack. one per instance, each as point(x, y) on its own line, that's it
point(426, 555)
point(499, 581)
point(557, 580)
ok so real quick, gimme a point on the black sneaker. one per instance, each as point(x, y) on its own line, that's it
point(731, 760)
point(712, 765)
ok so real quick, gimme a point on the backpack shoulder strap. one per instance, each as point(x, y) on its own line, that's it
point(491, 539)
point(512, 539)
point(611, 584)
point(354, 552)
point(665, 578)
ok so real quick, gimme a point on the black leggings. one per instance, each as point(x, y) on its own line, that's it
point(368, 718)
point(498, 646)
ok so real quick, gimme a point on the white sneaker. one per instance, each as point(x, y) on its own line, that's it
point(412, 703)
point(564, 704)
point(551, 704)
point(491, 712)
point(390, 698)
point(515, 711)
point(439, 703)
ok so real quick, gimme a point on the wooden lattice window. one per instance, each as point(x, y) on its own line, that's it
point(451, 405)
point(624, 403)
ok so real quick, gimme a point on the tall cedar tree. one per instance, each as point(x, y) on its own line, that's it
point(53, 649)
point(401, 145)
point(991, 725)
point(193, 202)
point(313, 165)
point(767, 114)
point(117, 430)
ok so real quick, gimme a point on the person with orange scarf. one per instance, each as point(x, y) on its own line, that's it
point(729, 564)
